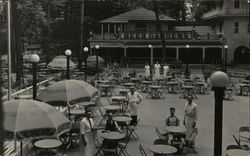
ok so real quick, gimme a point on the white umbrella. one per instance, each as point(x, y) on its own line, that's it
point(93, 59)
point(68, 92)
point(29, 118)
point(60, 63)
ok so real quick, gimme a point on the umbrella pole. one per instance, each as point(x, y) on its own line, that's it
point(21, 146)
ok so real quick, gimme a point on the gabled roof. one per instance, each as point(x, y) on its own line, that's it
point(140, 14)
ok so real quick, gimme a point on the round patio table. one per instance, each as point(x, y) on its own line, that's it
point(123, 91)
point(24, 97)
point(162, 149)
point(156, 87)
point(113, 135)
point(76, 112)
point(111, 108)
point(122, 118)
point(48, 143)
point(246, 81)
point(237, 152)
point(129, 84)
point(146, 82)
point(175, 129)
point(118, 97)
point(103, 81)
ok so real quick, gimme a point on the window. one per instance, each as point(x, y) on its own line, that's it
point(140, 27)
point(236, 27)
point(236, 4)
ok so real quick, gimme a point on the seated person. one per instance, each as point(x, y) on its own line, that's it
point(112, 126)
point(172, 120)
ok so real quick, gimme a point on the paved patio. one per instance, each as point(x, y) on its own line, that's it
point(153, 112)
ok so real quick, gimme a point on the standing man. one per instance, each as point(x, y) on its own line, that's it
point(87, 134)
point(134, 99)
point(157, 67)
point(190, 116)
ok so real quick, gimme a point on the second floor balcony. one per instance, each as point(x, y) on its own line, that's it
point(153, 35)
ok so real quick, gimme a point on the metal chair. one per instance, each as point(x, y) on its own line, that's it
point(142, 151)
point(189, 146)
point(132, 128)
point(243, 139)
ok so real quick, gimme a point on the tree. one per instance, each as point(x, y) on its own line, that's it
point(29, 21)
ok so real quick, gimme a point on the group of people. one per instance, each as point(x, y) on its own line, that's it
point(190, 119)
point(157, 69)
point(86, 125)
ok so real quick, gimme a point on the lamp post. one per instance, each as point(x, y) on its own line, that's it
point(187, 53)
point(34, 59)
point(97, 47)
point(86, 49)
point(225, 59)
point(219, 81)
point(151, 58)
point(68, 53)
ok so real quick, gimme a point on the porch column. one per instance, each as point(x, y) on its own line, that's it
point(177, 53)
point(114, 28)
point(121, 27)
point(108, 28)
point(125, 56)
point(203, 54)
point(102, 30)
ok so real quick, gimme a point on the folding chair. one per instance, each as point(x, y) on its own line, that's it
point(160, 135)
point(142, 151)
point(189, 146)
point(74, 134)
point(98, 146)
point(131, 129)
point(242, 139)
point(123, 145)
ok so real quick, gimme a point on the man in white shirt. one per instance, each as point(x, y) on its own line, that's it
point(134, 99)
point(190, 116)
point(87, 135)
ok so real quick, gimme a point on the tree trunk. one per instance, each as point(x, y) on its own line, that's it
point(16, 43)
point(159, 29)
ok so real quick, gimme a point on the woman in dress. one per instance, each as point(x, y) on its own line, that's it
point(147, 70)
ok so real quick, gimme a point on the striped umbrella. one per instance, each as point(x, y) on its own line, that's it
point(68, 92)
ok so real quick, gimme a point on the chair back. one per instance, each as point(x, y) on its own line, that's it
point(194, 134)
point(230, 147)
point(158, 133)
point(142, 151)
point(244, 129)
point(160, 142)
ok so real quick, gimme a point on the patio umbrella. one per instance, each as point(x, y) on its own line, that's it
point(29, 118)
point(60, 63)
point(93, 59)
point(68, 92)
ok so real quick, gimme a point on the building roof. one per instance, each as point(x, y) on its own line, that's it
point(140, 14)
